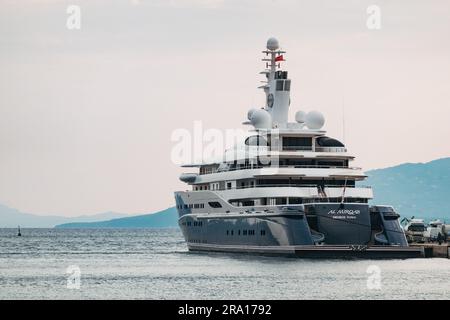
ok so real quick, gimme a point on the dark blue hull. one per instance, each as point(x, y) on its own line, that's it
point(320, 229)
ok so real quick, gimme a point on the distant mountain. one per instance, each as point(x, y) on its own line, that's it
point(414, 189)
point(163, 219)
point(11, 218)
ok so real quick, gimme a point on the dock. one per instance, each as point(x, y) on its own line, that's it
point(434, 250)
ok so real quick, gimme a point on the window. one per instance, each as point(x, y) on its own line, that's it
point(228, 185)
point(215, 204)
point(287, 85)
point(329, 142)
point(295, 200)
point(256, 141)
point(279, 86)
point(331, 163)
point(244, 232)
point(297, 143)
point(281, 74)
point(248, 203)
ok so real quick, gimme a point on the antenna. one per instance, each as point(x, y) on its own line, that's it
point(343, 120)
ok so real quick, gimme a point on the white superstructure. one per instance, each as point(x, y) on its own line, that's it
point(282, 162)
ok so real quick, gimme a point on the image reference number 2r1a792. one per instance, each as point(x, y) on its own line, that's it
point(246, 309)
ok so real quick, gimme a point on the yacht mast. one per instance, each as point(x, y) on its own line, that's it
point(277, 87)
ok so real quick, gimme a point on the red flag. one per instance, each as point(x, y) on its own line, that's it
point(279, 58)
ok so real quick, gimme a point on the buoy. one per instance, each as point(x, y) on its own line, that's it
point(18, 232)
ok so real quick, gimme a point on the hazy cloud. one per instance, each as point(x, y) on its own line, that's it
point(86, 115)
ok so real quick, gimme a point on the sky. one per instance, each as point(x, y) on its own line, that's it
point(86, 115)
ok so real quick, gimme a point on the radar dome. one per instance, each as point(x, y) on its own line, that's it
point(249, 113)
point(272, 44)
point(261, 119)
point(300, 116)
point(314, 120)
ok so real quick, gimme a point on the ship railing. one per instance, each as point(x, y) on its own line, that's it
point(291, 148)
point(266, 186)
point(297, 148)
point(316, 149)
point(286, 185)
point(331, 149)
point(249, 167)
point(347, 186)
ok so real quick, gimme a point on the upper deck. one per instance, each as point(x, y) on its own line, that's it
point(275, 148)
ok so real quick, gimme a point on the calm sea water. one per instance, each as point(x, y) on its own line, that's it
point(155, 264)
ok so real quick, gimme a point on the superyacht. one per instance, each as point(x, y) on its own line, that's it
point(292, 192)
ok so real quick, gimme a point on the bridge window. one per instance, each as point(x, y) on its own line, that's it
point(297, 143)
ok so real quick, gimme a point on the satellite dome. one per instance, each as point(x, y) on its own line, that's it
point(314, 120)
point(272, 44)
point(249, 113)
point(300, 116)
point(261, 119)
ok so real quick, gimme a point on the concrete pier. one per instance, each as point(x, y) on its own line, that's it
point(434, 250)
